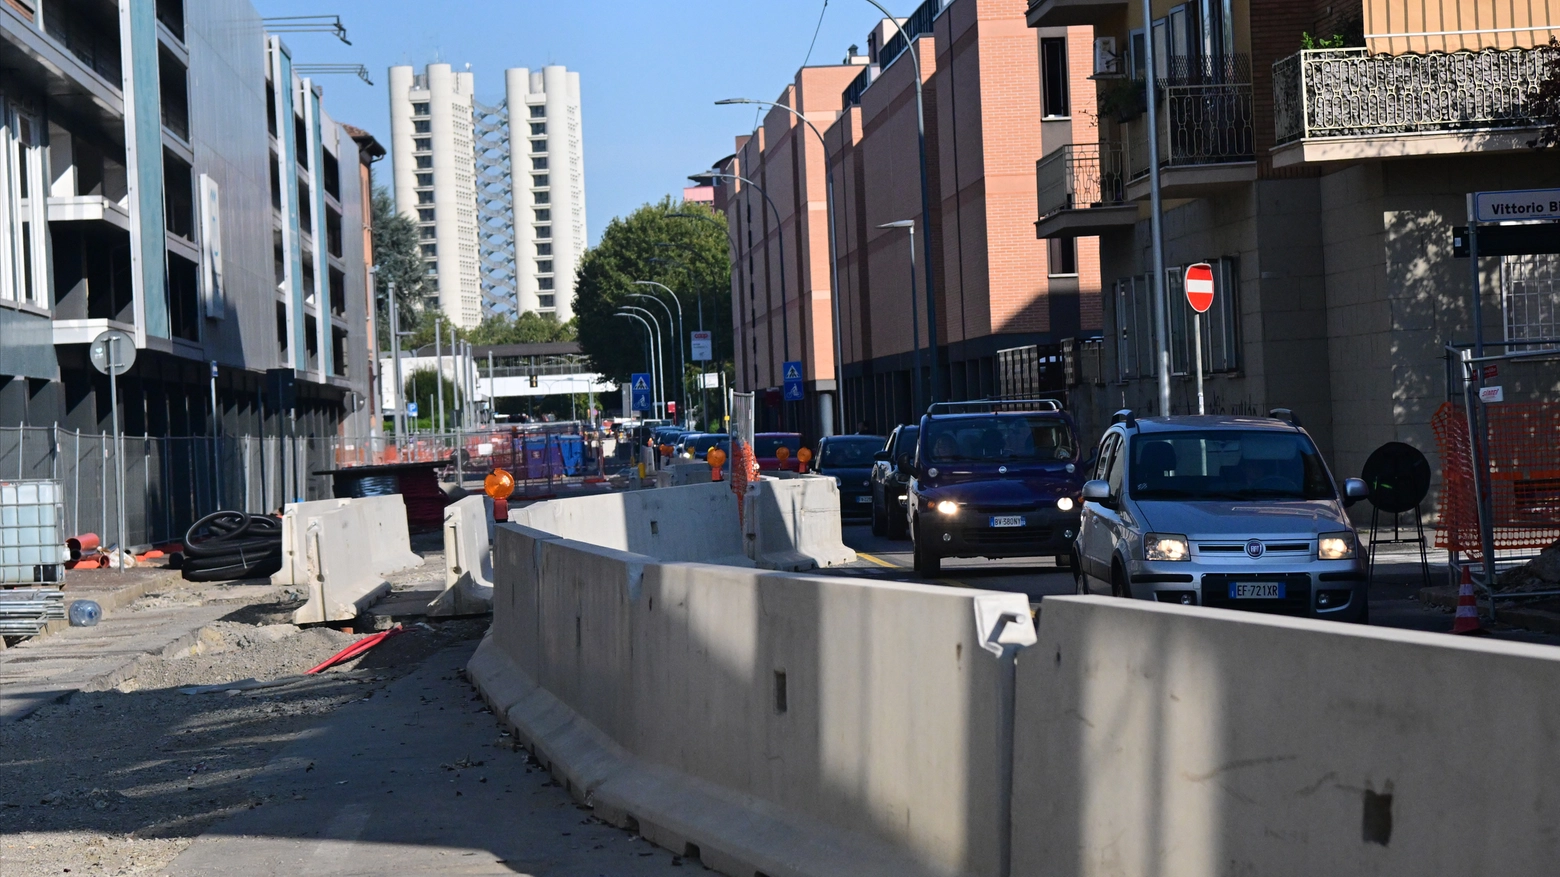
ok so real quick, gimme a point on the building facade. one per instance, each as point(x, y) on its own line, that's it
point(167, 174)
point(1007, 310)
point(498, 191)
point(1324, 189)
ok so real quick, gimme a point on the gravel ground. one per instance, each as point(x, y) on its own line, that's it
point(120, 781)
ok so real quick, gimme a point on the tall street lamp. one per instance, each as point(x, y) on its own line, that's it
point(733, 267)
point(834, 275)
point(681, 358)
point(926, 204)
point(785, 326)
point(1156, 220)
point(655, 355)
point(915, 319)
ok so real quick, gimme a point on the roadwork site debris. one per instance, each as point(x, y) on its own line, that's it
point(356, 649)
point(1542, 573)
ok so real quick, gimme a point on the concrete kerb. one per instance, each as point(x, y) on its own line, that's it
point(468, 559)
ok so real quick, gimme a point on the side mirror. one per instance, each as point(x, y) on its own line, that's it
point(906, 464)
point(1354, 490)
point(1096, 491)
point(880, 456)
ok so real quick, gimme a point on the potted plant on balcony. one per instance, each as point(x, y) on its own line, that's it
point(1122, 99)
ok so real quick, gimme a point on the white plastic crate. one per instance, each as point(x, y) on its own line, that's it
point(32, 546)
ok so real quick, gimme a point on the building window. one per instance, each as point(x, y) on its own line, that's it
point(539, 163)
point(425, 161)
point(538, 112)
point(332, 171)
point(541, 197)
point(543, 231)
point(419, 109)
point(538, 129)
point(425, 197)
point(174, 92)
point(425, 214)
point(422, 126)
point(427, 232)
point(430, 250)
point(544, 302)
point(539, 180)
point(171, 14)
point(425, 179)
point(305, 207)
point(422, 144)
point(1134, 323)
point(281, 327)
point(1062, 256)
point(544, 283)
point(178, 197)
point(538, 145)
point(1053, 76)
point(543, 216)
point(1530, 298)
point(544, 266)
point(544, 249)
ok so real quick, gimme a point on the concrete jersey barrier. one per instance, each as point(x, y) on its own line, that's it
point(794, 524)
point(783, 724)
point(340, 551)
point(679, 474)
point(1181, 742)
point(468, 563)
point(697, 522)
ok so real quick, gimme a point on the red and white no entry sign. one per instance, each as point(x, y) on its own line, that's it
point(1199, 287)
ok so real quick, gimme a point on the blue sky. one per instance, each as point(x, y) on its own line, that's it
point(649, 72)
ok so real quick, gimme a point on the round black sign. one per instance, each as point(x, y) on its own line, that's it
point(1398, 476)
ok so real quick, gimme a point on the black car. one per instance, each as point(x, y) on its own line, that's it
point(997, 483)
point(848, 460)
point(891, 480)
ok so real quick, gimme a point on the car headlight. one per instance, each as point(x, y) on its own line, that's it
point(1166, 546)
point(1335, 546)
point(1065, 504)
point(947, 507)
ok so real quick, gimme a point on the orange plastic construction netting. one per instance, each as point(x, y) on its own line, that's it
point(1524, 473)
point(744, 469)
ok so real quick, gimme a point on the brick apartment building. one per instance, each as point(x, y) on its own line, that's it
point(1006, 302)
point(1324, 187)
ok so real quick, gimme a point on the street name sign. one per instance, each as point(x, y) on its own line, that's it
point(1515, 205)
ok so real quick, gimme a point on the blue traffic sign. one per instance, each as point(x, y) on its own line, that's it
point(411, 409)
point(792, 372)
point(639, 384)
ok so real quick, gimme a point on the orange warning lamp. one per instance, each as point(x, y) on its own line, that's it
point(666, 450)
point(782, 453)
point(499, 485)
point(804, 456)
point(716, 458)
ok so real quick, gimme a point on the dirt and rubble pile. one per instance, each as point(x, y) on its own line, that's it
point(1542, 573)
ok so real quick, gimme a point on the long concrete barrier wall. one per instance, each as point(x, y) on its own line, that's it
point(1160, 740)
point(784, 724)
point(695, 522)
point(794, 524)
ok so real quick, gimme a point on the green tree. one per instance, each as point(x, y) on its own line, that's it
point(422, 388)
point(398, 256)
point(528, 328)
point(691, 256)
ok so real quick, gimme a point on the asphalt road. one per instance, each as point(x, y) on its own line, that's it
point(1394, 593)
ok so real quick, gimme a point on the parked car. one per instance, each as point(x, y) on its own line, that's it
point(891, 481)
point(765, 444)
point(994, 484)
point(1234, 512)
point(848, 460)
point(696, 445)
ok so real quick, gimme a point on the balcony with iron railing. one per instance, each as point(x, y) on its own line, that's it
point(1205, 140)
point(1081, 191)
point(1346, 104)
point(1068, 13)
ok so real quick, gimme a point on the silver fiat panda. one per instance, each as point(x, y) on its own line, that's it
point(1233, 512)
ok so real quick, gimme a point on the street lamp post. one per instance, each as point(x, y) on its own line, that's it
point(926, 204)
point(1156, 218)
point(682, 358)
point(660, 351)
point(734, 267)
point(785, 330)
point(650, 355)
point(834, 275)
point(915, 319)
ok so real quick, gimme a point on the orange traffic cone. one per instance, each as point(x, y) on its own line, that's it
point(1467, 620)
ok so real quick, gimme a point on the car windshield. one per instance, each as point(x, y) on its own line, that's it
point(766, 445)
point(1005, 438)
point(851, 452)
point(700, 444)
point(1227, 464)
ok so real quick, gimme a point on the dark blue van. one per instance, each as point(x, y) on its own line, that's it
point(1006, 481)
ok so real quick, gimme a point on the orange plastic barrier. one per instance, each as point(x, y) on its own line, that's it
point(1524, 471)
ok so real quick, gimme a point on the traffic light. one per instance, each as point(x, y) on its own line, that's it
point(534, 382)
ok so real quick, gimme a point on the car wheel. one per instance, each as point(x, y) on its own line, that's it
point(927, 564)
point(1080, 581)
point(879, 519)
point(1118, 582)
